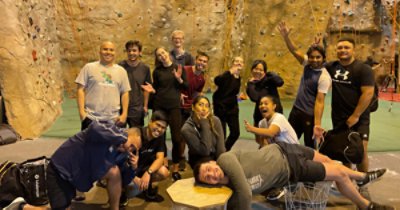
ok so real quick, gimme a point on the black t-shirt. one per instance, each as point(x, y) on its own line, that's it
point(148, 151)
point(138, 76)
point(346, 88)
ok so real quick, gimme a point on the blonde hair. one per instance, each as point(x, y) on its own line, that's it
point(177, 32)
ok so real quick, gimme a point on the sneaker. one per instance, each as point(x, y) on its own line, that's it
point(364, 192)
point(123, 200)
point(275, 194)
point(18, 203)
point(151, 195)
point(371, 176)
point(176, 176)
point(376, 206)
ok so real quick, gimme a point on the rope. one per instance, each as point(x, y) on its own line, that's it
point(315, 18)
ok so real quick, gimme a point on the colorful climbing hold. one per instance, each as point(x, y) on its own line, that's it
point(34, 55)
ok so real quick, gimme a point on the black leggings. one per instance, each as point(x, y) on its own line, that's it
point(175, 124)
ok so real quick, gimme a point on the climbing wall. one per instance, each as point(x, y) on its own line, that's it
point(223, 29)
point(30, 74)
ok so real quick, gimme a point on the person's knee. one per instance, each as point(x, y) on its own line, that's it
point(340, 173)
point(162, 173)
point(113, 173)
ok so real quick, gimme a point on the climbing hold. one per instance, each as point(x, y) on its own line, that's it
point(34, 55)
point(179, 10)
point(119, 14)
point(30, 21)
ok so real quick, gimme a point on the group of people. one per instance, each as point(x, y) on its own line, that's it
point(112, 96)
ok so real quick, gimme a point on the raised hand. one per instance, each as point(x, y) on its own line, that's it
point(283, 29)
point(178, 73)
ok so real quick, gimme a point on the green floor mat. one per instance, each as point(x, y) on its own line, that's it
point(384, 135)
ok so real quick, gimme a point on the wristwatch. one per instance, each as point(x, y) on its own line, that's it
point(149, 171)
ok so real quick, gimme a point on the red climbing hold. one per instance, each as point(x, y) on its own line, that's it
point(34, 55)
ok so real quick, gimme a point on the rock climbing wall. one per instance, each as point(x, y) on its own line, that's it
point(46, 43)
point(223, 29)
point(30, 74)
point(83, 25)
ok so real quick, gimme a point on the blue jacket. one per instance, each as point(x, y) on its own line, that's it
point(87, 156)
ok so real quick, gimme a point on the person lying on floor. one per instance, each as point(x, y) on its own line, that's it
point(282, 164)
point(102, 151)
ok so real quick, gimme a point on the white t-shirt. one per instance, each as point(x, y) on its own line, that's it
point(286, 134)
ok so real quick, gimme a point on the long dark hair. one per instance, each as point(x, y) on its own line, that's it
point(210, 117)
point(158, 63)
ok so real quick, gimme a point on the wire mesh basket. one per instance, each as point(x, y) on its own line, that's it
point(307, 196)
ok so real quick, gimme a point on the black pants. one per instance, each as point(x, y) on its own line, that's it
point(230, 118)
point(302, 123)
point(175, 124)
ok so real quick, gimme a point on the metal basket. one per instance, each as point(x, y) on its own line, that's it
point(307, 196)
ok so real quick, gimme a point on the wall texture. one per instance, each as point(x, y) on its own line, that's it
point(46, 43)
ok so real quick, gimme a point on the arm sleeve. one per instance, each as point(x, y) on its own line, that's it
point(219, 80)
point(124, 86)
point(106, 133)
point(324, 82)
point(272, 79)
point(198, 141)
point(82, 76)
point(220, 138)
point(252, 92)
point(241, 198)
point(147, 77)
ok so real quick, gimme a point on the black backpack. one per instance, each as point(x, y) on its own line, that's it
point(26, 180)
point(344, 145)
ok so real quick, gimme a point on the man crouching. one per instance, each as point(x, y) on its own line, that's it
point(102, 151)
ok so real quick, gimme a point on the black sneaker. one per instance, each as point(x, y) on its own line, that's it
point(275, 194)
point(371, 176)
point(151, 195)
point(123, 200)
point(176, 176)
point(376, 206)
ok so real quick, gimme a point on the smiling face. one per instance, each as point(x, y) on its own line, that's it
point(267, 107)
point(201, 108)
point(210, 173)
point(316, 60)
point(157, 128)
point(163, 56)
point(258, 72)
point(107, 53)
point(133, 53)
point(201, 63)
point(345, 51)
point(178, 39)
